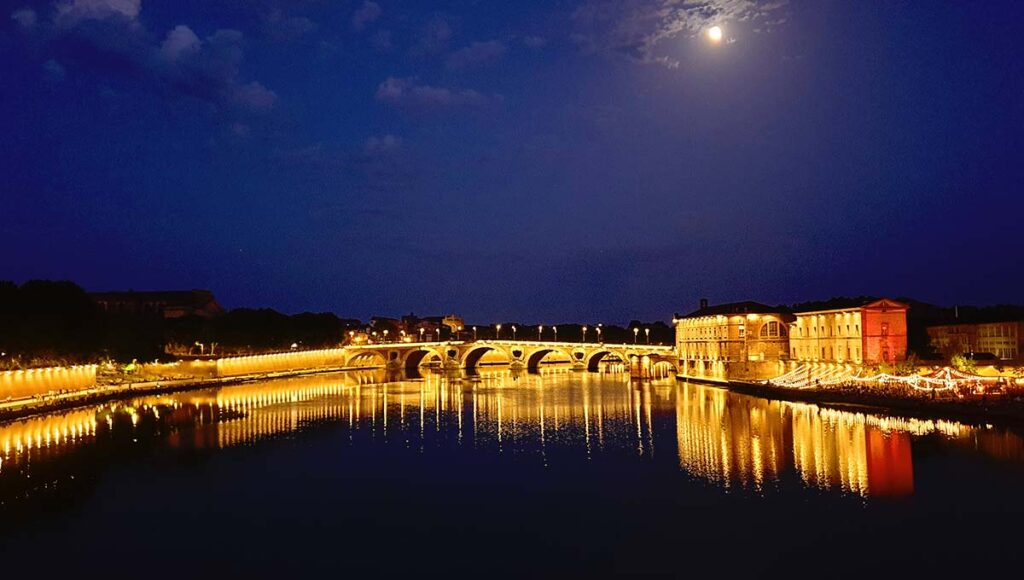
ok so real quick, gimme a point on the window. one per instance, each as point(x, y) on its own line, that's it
point(770, 329)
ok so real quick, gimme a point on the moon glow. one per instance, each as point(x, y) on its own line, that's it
point(715, 34)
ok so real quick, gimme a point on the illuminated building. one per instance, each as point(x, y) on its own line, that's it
point(1005, 340)
point(740, 340)
point(868, 333)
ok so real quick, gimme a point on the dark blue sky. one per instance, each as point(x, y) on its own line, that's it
point(542, 160)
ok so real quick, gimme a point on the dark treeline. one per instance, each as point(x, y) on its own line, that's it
point(56, 322)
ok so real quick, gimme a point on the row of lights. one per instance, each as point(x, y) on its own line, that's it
point(497, 328)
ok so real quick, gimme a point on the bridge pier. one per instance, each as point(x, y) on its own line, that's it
point(456, 356)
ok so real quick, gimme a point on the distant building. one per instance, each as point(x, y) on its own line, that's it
point(1004, 340)
point(740, 340)
point(869, 333)
point(165, 304)
point(412, 323)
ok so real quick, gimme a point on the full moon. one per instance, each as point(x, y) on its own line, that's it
point(715, 34)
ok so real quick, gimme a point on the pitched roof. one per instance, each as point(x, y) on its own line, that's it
point(747, 307)
point(848, 304)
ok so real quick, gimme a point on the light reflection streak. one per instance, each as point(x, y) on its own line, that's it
point(728, 439)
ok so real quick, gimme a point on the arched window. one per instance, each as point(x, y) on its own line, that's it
point(772, 329)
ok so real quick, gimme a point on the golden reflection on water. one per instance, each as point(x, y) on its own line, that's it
point(728, 439)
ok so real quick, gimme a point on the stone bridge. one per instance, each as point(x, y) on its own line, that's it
point(519, 354)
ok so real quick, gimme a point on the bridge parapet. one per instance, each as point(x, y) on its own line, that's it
point(466, 354)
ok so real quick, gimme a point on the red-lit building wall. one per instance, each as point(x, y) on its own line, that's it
point(885, 332)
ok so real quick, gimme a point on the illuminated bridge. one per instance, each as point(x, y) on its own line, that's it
point(641, 359)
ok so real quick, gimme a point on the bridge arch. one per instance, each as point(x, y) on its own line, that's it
point(415, 357)
point(367, 358)
point(535, 357)
point(472, 357)
point(594, 359)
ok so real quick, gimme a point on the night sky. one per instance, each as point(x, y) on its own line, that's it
point(550, 160)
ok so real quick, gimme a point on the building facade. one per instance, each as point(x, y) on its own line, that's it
point(740, 340)
point(871, 333)
point(164, 304)
point(1004, 340)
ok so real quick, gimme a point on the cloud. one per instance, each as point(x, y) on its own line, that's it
point(210, 70)
point(434, 37)
point(406, 92)
point(54, 71)
point(107, 38)
point(25, 17)
point(285, 29)
point(255, 97)
point(638, 28)
point(381, 145)
point(72, 12)
point(534, 41)
point(180, 42)
point(367, 13)
point(476, 54)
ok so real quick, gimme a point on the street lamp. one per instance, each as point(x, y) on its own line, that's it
point(647, 332)
point(421, 333)
point(385, 335)
point(584, 334)
point(598, 329)
point(539, 330)
point(555, 328)
point(438, 334)
point(497, 331)
point(636, 331)
point(513, 332)
point(474, 334)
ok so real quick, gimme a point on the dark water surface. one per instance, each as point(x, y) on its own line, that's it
point(561, 474)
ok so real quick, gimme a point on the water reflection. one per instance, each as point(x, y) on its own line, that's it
point(730, 440)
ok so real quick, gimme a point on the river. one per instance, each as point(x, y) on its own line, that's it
point(557, 474)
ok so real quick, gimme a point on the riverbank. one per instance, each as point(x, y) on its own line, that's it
point(992, 409)
point(27, 407)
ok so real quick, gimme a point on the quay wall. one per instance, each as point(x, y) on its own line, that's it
point(30, 382)
point(279, 362)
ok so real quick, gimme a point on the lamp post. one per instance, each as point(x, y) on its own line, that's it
point(385, 335)
point(598, 329)
point(584, 339)
point(555, 328)
point(474, 334)
point(438, 334)
point(647, 332)
point(497, 331)
point(421, 333)
point(540, 328)
point(513, 332)
point(636, 331)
